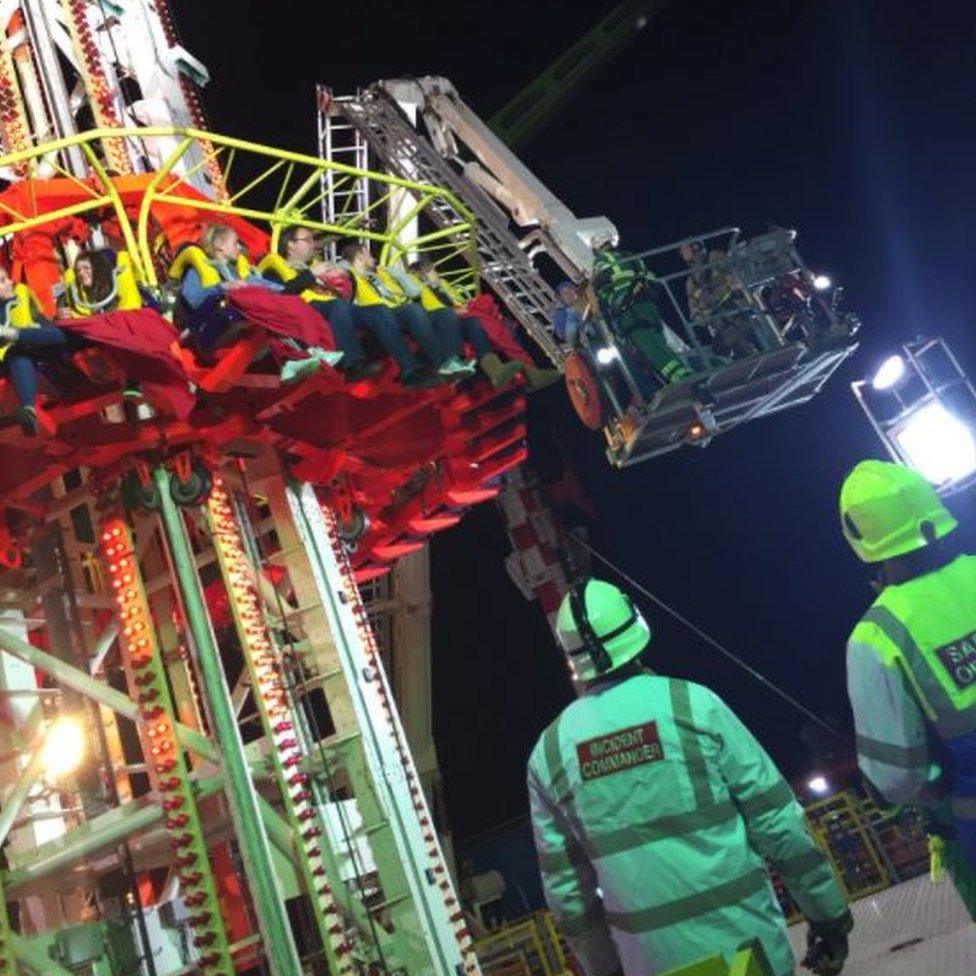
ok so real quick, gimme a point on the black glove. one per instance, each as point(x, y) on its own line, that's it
point(827, 945)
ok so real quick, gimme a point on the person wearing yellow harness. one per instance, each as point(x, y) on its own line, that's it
point(653, 808)
point(490, 346)
point(25, 335)
point(911, 659)
point(377, 295)
point(298, 271)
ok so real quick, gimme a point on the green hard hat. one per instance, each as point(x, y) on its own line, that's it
point(884, 508)
point(599, 629)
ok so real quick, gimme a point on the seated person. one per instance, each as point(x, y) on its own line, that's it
point(716, 303)
point(568, 321)
point(100, 280)
point(205, 280)
point(296, 268)
point(435, 293)
point(377, 296)
point(25, 335)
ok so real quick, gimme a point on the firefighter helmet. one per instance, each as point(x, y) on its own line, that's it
point(888, 510)
point(599, 629)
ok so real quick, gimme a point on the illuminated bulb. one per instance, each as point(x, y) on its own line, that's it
point(606, 355)
point(64, 747)
point(889, 373)
point(818, 784)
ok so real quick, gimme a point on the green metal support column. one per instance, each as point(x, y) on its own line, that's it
point(279, 945)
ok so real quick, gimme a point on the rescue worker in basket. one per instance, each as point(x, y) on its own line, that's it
point(626, 290)
point(911, 659)
point(653, 808)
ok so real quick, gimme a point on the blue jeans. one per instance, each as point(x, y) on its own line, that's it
point(417, 323)
point(380, 320)
point(20, 364)
point(474, 333)
point(339, 315)
point(447, 329)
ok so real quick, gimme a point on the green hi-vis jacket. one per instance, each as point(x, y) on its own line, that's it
point(653, 807)
point(911, 676)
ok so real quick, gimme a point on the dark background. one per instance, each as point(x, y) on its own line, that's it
point(849, 120)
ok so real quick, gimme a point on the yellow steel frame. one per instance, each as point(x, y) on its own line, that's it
point(282, 188)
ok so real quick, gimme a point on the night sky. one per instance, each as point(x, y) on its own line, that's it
point(850, 121)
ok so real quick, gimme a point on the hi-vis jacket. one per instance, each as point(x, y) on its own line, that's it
point(653, 807)
point(911, 676)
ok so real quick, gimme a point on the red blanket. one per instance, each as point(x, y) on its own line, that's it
point(499, 333)
point(141, 341)
point(284, 315)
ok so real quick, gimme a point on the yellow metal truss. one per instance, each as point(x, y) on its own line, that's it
point(278, 188)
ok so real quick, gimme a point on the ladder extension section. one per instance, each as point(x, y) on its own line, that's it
point(418, 904)
point(168, 775)
point(503, 263)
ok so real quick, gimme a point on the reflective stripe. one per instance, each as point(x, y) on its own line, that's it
point(907, 757)
point(933, 698)
point(558, 778)
point(802, 863)
point(690, 746)
point(660, 828)
point(580, 924)
point(674, 912)
point(775, 798)
point(573, 858)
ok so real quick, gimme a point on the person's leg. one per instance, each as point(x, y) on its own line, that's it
point(381, 321)
point(447, 328)
point(474, 333)
point(41, 337)
point(651, 345)
point(413, 320)
point(23, 377)
point(339, 316)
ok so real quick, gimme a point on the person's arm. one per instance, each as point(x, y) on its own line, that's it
point(570, 885)
point(303, 280)
point(892, 737)
point(195, 293)
point(774, 820)
point(260, 281)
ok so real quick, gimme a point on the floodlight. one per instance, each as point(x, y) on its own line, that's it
point(64, 747)
point(889, 373)
point(605, 355)
point(937, 444)
point(821, 282)
point(818, 784)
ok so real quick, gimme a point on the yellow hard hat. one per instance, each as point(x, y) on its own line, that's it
point(885, 508)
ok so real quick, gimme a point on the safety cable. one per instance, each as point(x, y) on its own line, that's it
point(708, 639)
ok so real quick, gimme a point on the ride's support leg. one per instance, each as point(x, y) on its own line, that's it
point(282, 725)
point(279, 944)
point(339, 316)
point(380, 320)
point(415, 322)
point(146, 680)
